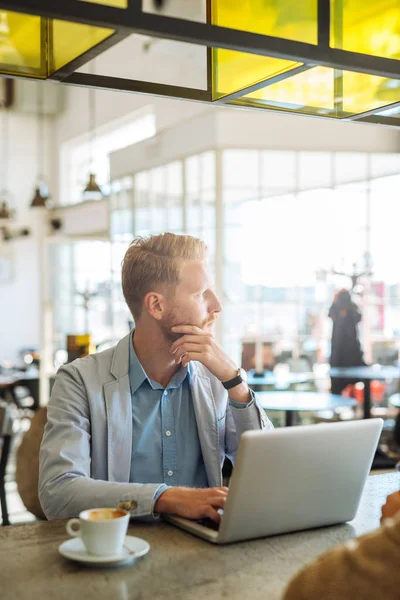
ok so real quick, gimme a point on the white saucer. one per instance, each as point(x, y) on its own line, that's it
point(74, 549)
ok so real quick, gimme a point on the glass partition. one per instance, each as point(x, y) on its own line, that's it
point(80, 292)
point(289, 225)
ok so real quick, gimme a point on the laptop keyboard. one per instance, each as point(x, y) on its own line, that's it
point(207, 522)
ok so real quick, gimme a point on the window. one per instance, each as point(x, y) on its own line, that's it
point(75, 155)
point(78, 268)
point(284, 221)
point(289, 219)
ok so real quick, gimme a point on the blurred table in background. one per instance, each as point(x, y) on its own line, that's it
point(291, 402)
point(365, 375)
point(282, 381)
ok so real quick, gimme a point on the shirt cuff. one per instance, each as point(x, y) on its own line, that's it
point(160, 490)
point(242, 404)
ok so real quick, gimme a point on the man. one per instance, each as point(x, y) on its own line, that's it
point(146, 425)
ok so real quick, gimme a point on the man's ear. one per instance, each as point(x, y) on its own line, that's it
point(154, 304)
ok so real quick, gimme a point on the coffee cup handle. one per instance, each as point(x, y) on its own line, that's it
point(74, 523)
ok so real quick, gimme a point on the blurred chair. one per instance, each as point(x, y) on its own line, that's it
point(7, 417)
point(27, 471)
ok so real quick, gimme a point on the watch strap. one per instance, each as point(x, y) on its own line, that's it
point(233, 382)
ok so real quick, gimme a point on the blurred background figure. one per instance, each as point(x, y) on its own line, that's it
point(345, 346)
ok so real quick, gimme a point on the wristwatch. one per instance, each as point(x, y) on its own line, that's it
point(240, 376)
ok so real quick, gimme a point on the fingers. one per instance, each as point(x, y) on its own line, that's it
point(384, 508)
point(224, 490)
point(218, 501)
point(189, 339)
point(191, 356)
point(190, 329)
point(212, 514)
point(387, 510)
point(185, 348)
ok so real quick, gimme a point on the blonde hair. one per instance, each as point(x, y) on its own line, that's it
point(155, 261)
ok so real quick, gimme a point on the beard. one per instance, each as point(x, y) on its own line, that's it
point(169, 335)
point(174, 318)
point(171, 320)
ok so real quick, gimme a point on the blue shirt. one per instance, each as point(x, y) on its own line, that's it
point(165, 441)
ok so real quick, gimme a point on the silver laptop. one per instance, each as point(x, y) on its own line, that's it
point(293, 478)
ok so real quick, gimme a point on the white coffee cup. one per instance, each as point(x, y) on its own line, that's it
point(102, 530)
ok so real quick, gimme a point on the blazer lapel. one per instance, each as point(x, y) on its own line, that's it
point(207, 426)
point(119, 415)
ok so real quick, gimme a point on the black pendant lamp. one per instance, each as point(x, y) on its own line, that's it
point(41, 194)
point(92, 190)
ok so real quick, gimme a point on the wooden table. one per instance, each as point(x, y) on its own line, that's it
point(179, 566)
point(291, 402)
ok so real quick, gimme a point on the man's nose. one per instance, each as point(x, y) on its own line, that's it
point(215, 304)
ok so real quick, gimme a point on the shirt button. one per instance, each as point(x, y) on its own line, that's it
point(168, 433)
point(170, 473)
point(166, 393)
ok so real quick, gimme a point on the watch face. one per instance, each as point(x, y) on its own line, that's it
point(243, 374)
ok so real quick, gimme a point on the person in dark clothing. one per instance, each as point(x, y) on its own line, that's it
point(345, 346)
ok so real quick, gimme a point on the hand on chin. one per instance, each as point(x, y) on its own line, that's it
point(198, 344)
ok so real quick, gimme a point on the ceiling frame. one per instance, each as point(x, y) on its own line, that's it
point(130, 20)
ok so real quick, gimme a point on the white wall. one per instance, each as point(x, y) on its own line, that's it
point(233, 128)
point(20, 298)
point(257, 129)
point(192, 136)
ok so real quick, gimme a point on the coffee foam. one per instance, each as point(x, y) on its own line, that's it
point(105, 514)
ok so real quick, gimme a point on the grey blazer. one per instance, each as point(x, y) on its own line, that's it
point(85, 454)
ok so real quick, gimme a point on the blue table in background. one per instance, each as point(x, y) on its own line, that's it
point(269, 378)
point(291, 402)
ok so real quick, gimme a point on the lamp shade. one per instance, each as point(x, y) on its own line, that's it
point(92, 191)
point(5, 212)
point(40, 197)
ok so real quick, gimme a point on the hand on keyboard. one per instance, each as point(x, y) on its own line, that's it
point(206, 522)
point(193, 503)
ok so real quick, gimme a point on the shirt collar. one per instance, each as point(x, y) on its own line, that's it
point(137, 375)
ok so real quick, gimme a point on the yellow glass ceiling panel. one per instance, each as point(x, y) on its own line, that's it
point(73, 39)
point(20, 42)
point(328, 92)
point(366, 26)
point(36, 46)
point(366, 92)
point(233, 71)
point(313, 89)
point(115, 3)
point(289, 19)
